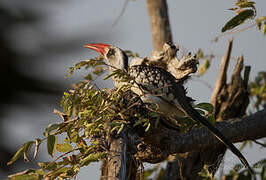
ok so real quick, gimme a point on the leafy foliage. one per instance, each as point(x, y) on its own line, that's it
point(24, 149)
point(261, 21)
point(88, 113)
point(89, 117)
point(205, 65)
point(245, 9)
point(236, 173)
point(258, 90)
point(238, 19)
point(205, 174)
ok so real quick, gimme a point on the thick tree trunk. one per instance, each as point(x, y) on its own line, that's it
point(160, 26)
point(111, 166)
point(119, 163)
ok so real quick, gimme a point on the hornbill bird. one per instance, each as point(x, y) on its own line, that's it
point(159, 86)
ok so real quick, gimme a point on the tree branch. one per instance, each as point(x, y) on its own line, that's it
point(160, 26)
point(237, 130)
point(157, 145)
point(221, 79)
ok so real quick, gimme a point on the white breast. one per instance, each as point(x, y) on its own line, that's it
point(164, 107)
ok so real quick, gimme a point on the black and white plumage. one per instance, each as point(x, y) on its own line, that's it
point(160, 87)
point(155, 85)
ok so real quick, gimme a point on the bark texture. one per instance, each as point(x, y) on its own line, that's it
point(159, 21)
point(119, 163)
point(237, 130)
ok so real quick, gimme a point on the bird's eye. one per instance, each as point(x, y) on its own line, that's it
point(110, 53)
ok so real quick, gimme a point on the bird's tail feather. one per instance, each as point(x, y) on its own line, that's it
point(196, 116)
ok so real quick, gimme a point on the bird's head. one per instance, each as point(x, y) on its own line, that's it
point(114, 56)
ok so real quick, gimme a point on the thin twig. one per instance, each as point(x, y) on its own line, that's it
point(59, 158)
point(233, 32)
point(121, 13)
point(257, 142)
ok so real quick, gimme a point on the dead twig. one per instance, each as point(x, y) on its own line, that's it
point(221, 80)
point(121, 13)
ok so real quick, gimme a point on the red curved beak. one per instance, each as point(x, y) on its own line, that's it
point(98, 47)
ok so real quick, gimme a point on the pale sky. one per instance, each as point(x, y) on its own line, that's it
point(194, 24)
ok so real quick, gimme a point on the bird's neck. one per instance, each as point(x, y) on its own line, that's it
point(118, 64)
point(121, 64)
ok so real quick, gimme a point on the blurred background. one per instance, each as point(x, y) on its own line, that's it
point(40, 40)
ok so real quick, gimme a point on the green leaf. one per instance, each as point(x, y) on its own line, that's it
point(238, 167)
point(243, 145)
point(138, 122)
point(51, 127)
point(65, 147)
point(245, 4)
point(211, 119)
point(110, 75)
point(201, 112)
point(205, 106)
point(73, 136)
point(238, 19)
point(24, 148)
point(121, 128)
point(205, 174)
point(17, 155)
point(48, 165)
point(27, 149)
point(98, 71)
point(64, 173)
point(88, 77)
point(92, 158)
point(260, 20)
point(160, 175)
point(148, 172)
point(148, 127)
point(264, 29)
point(24, 177)
point(203, 68)
point(28, 174)
point(51, 144)
point(154, 115)
point(200, 54)
point(86, 63)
